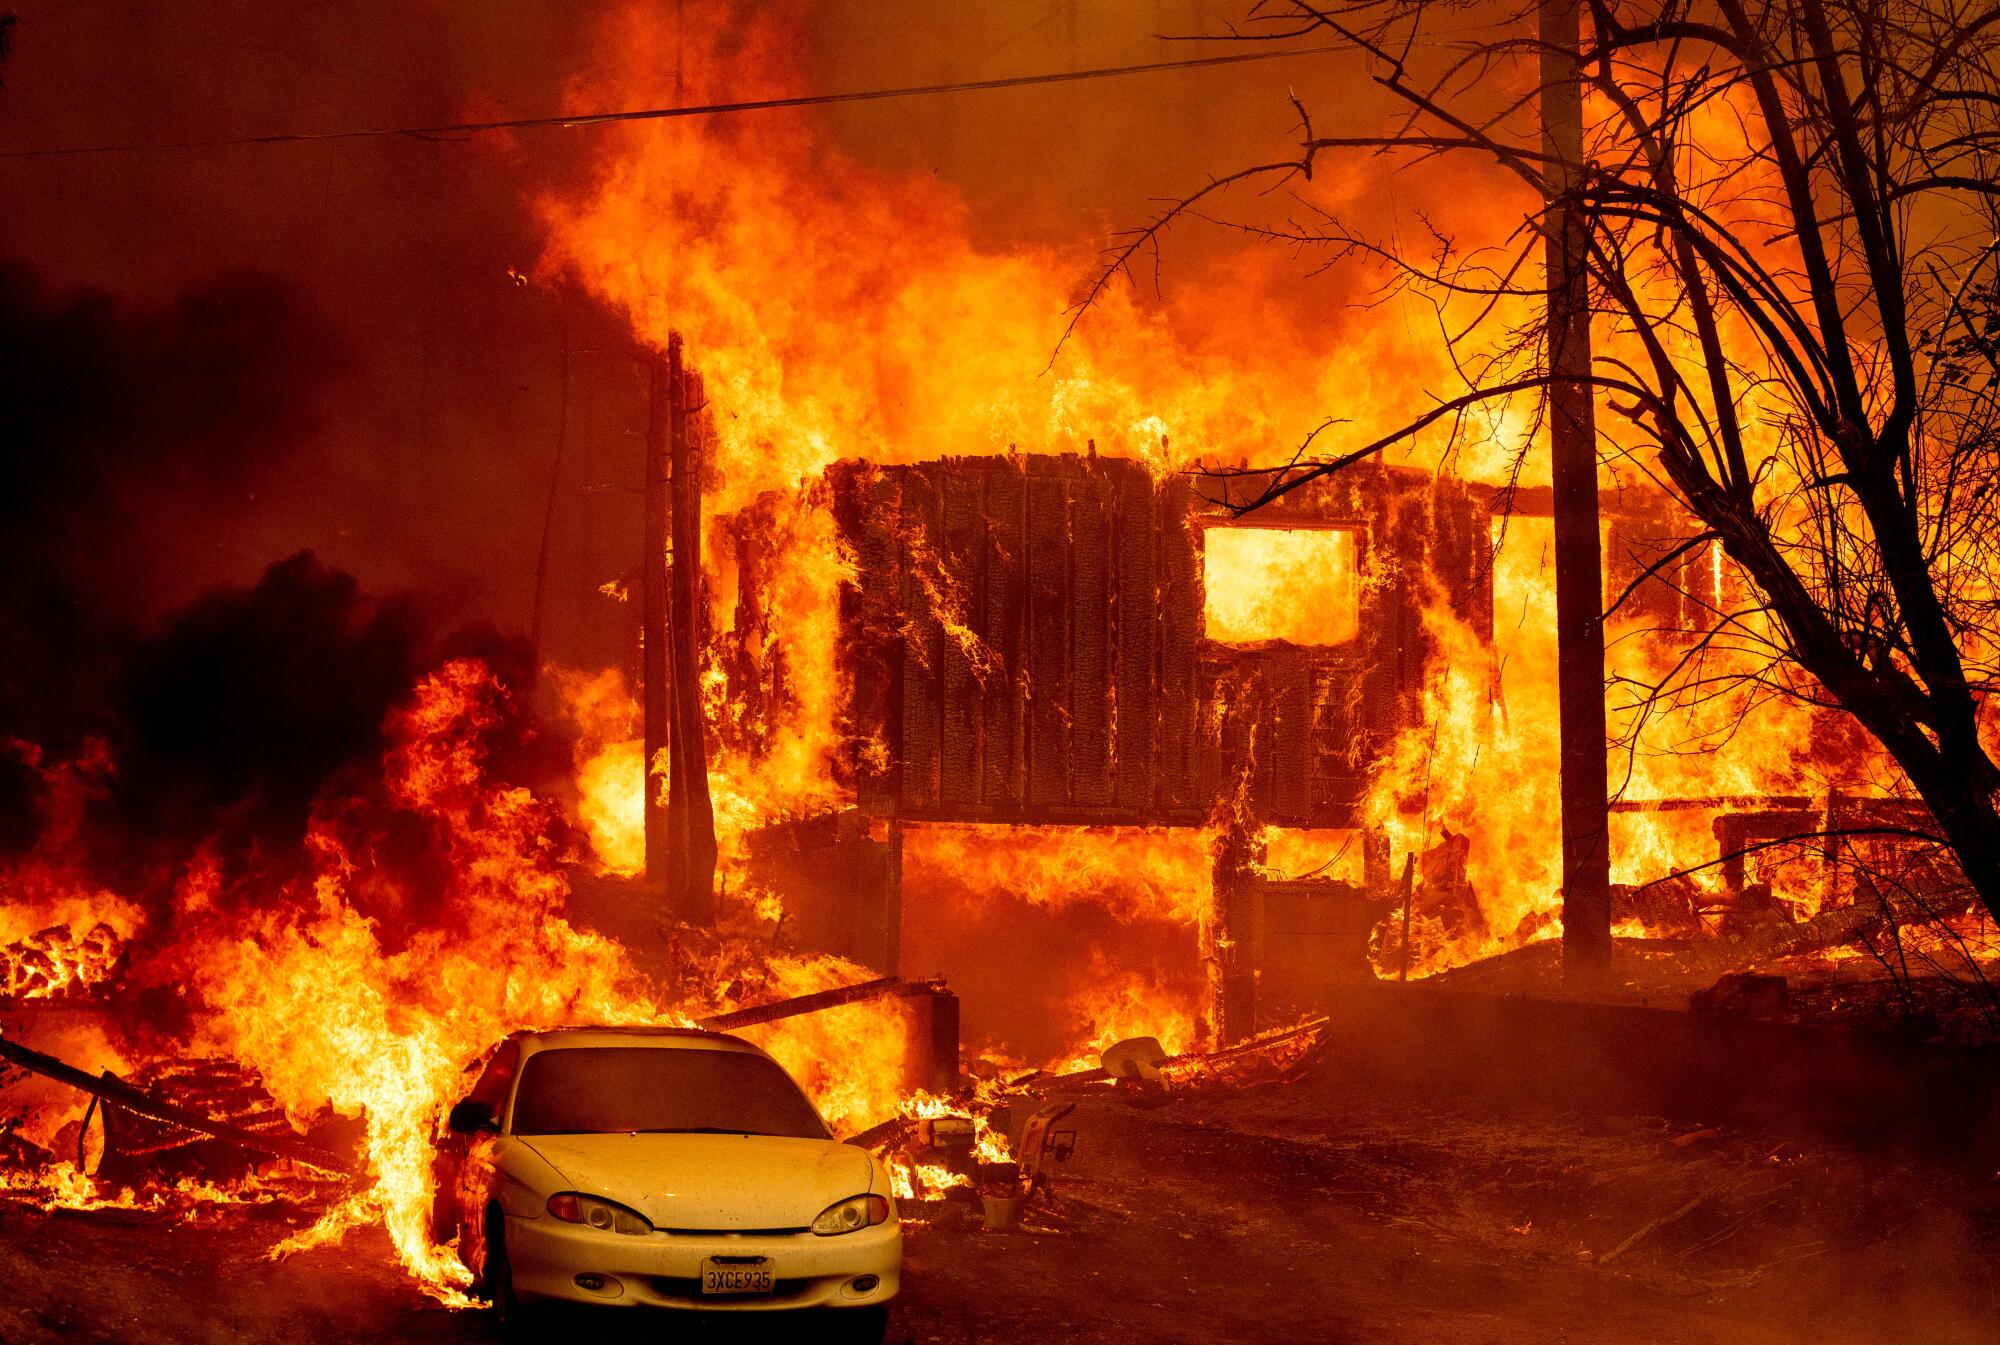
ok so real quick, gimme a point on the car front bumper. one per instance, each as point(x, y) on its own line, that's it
point(663, 1270)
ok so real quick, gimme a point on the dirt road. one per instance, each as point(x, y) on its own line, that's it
point(1304, 1213)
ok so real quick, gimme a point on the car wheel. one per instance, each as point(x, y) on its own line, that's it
point(518, 1323)
point(859, 1326)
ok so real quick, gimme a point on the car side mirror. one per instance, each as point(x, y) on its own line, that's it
point(473, 1118)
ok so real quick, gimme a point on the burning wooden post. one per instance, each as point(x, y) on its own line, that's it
point(690, 813)
point(1239, 927)
point(934, 1038)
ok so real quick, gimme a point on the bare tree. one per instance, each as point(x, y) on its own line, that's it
point(1793, 219)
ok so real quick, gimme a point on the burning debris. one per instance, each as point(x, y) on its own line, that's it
point(344, 993)
point(59, 961)
point(185, 1100)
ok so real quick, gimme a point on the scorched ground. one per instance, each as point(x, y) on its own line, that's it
point(1300, 1213)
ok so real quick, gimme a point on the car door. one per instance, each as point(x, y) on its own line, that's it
point(463, 1159)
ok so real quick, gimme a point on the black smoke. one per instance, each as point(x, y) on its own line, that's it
point(251, 699)
point(129, 434)
point(134, 439)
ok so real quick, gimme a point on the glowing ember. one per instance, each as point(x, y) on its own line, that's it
point(64, 1186)
point(58, 961)
point(60, 933)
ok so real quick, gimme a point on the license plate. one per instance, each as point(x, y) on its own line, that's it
point(735, 1277)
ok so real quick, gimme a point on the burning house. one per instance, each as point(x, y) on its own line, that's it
point(1066, 642)
point(1069, 651)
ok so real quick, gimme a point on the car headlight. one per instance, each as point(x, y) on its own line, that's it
point(852, 1214)
point(575, 1208)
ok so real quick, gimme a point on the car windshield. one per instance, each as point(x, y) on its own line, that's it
point(610, 1090)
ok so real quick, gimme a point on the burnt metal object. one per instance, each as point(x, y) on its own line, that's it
point(954, 1138)
point(1042, 1144)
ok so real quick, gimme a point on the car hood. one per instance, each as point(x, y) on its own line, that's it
point(710, 1181)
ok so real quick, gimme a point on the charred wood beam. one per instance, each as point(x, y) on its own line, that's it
point(1078, 1079)
point(897, 1129)
point(141, 1103)
point(881, 988)
point(1828, 929)
point(884, 1134)
point(1713, 803)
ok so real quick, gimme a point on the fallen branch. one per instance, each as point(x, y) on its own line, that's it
point(1664, 1221)
point(1828, 929)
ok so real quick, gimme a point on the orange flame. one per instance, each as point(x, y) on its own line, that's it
point(334, 1016)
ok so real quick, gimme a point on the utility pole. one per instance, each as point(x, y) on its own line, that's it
point(555, 485)
point(657, 699)
point(690, 812)
point(1586, 838)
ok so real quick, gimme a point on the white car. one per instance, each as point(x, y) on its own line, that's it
point(661, 1168)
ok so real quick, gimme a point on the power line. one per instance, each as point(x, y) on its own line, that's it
point(467, 128)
